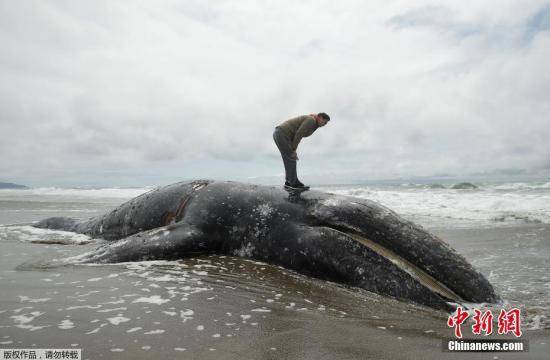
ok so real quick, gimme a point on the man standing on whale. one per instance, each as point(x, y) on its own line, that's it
point(288, 135)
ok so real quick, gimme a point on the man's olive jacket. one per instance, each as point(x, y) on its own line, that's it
point(298, 128)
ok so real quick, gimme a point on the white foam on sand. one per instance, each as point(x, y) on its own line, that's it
point(163, 278)
point(28, 299)
point(27, 233)
point(200, 273)
point(183, 284)
point(21, 309)
point(155, 299)
point(118, 320)
point(261, 310)
point(66, 324)
point(23, 321)
point(187, 312)
point(111, 310)
point(119, 301)
point(186, 315)
point(83, 307)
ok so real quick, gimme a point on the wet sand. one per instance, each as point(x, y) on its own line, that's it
point(228, 308)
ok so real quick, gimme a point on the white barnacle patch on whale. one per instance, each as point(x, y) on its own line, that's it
point(245, 250)
point(331, 201)
point(264, 210)
point(198, 186)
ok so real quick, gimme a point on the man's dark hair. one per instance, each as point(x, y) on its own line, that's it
point(324, 116)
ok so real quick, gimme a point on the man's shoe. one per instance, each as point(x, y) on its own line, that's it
point(290, 186)
point(299, 183)
point(296, 186)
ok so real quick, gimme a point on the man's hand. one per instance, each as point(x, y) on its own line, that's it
point(294, 156)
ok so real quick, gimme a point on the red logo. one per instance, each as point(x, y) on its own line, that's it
point(483, 322)
point(508, 321)
point(457, 320)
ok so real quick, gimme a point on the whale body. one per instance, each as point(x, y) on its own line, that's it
point(343, 239)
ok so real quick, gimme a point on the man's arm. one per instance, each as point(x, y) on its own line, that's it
point(308, 126)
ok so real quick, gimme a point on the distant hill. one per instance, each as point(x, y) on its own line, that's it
point(4, 185)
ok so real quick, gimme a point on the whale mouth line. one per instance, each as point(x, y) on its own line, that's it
point(405, 265)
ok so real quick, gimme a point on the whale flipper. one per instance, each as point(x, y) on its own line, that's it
point(169, 242)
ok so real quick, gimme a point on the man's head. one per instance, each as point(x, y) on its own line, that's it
point(322, 119)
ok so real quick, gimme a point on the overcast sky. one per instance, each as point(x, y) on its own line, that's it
point(123, 93)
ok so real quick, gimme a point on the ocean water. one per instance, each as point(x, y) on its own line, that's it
point(226, 307)
point(439, 205)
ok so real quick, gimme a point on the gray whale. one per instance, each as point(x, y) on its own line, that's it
point(344, 239)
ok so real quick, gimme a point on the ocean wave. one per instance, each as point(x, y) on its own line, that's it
point(80, 193)
point(482, 186)
point(522, 186)
point(464, 186)
point(515, 217)
point(449, 207)
point(27, 233)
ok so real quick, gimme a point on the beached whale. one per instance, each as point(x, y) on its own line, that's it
point(343, 239)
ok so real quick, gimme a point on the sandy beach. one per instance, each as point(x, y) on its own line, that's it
point(217, 307)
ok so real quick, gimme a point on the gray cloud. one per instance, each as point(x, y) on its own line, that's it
point(134, 92)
